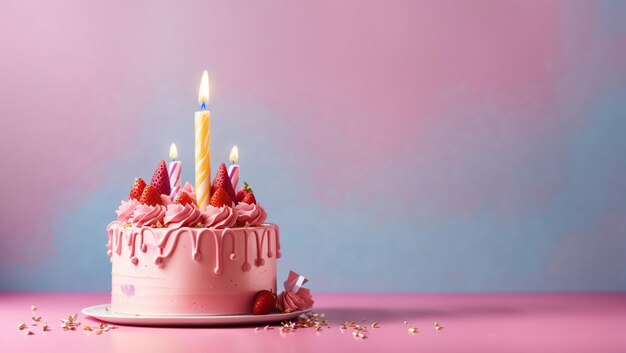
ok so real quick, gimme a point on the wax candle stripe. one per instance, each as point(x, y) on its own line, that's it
point(233, 173)
point(203, 159)
point(175, 178)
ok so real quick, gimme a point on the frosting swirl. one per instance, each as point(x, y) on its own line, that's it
point(126, 209)
point(250, 213)
point(288, 301)
point(178, 216)
point(146, 215)
point(219, 217)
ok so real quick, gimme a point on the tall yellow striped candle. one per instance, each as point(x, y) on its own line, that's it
point(203, 145)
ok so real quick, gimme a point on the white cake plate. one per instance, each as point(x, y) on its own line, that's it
point(103, 312)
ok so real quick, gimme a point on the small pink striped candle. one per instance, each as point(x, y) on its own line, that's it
point(233, 170)
point(175, 170)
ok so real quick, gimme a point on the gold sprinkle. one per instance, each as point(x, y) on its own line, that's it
point(45, 327)
point(33, 308)
point(36, 318)
point(375, 324)
point(28, 333)
point(437, 326)
point(22, 326)
point(87, 328)
point(413, 329)
point(106, 308)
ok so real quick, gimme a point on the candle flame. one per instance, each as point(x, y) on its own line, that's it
point(203, 93)
point(234, 154)
point(173, 151)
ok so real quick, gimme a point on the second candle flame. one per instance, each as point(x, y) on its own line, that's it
point(234, 154)
point(173, 151)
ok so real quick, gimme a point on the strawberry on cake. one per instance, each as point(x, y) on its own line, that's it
point(171, 258)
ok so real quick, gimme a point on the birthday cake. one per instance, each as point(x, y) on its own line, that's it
point(197, 251)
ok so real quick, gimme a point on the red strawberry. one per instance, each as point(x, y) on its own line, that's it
point(220, 198)
point(249, 198)
point(243, 191)
point(150, 196)
point(222, 180)
point(161, 179)
point(184, 198)
point(264, 303)
point(137, 189)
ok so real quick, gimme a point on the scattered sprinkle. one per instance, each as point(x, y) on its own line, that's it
point(45, 327)
point(71, 323)
point(22, 326)
point(310, 320)
point(375, 324)
point(437, 326)
point(28, 333)
point(36, 318)
point(413, 330)
point(87, 328)
point(33, 308)
point(405, 322)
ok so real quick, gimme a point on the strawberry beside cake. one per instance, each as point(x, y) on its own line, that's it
point(171, 258)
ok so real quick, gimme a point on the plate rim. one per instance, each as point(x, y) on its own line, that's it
point(187, 319)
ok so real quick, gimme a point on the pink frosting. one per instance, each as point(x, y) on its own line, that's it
point(146, 215)
point(250, 213)
point(165, 199)
point(178, 216)
point(219, 217)
point(289, 301)
point(126, 209)
point(188, 188)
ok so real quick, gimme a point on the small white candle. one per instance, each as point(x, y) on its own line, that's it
point(233, 170)
point(174, 171)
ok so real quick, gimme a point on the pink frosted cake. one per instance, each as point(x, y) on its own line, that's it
point(170, 258)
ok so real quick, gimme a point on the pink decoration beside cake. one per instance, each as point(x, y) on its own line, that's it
point(295, 297)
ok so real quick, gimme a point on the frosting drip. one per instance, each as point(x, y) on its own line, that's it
point(166, 243)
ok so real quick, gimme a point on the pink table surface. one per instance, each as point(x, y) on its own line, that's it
point(473, 323)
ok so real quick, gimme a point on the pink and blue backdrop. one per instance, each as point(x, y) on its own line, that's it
point(401, 146)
